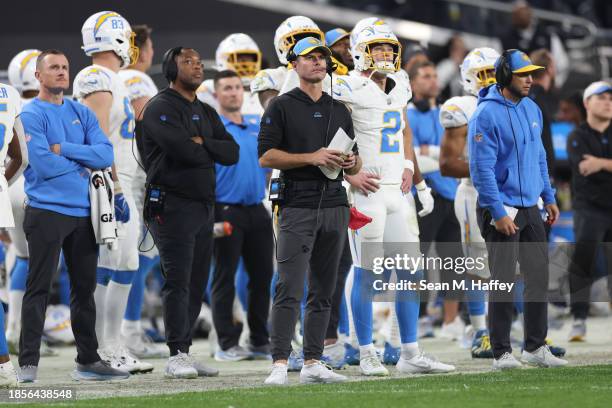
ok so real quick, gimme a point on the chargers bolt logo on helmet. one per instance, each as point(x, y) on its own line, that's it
point(108, 31)
point(477, 69)
point(365, 36)
point(21, 71)
point(291, 31)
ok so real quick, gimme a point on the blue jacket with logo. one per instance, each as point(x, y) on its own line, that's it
point(507, 157)
point(60, 183)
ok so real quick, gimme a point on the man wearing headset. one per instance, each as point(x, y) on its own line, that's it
point(295, 131)
point(508, 169)
point(182, 138)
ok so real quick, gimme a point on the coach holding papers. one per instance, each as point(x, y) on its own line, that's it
point(313, 220)
point(508, 167)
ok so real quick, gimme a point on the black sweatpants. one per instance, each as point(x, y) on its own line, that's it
point(252, 239)
point(592, 231)
point(529, 247)
point(346, 261)
point(48, 233)
point(183, 235)
point(307, 237)
point(441, 226)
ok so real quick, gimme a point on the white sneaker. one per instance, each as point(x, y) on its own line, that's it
point(318, 372)
point(542, 357)
point(423, 364)
point(140, 346)
point(453, 330)
point(333, 354)
point(506, 362)
point(8, 376)
point(278, 376)
point(578, 332)
point(370, 365)
point(179, 366)
point(132, 363)
point(112, 360)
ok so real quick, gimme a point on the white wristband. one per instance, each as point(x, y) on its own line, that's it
point(421, 186)
point(409, 164)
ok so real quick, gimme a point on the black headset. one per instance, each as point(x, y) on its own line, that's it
point(503, 73)
point(169, 67)
point(330, 66)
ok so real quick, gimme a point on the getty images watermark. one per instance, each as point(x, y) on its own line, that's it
point(410, 264)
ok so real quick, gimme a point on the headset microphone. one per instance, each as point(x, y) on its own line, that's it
point(169, 67)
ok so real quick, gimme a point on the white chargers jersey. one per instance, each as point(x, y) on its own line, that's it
point(378, 120)
point(96, 78)
point(139, 84)
point(10, 108)
point(457, 112)
point(269, 79)
point(205, 93)
point(293, 81)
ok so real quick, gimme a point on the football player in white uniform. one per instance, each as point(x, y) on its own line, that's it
point(109, 40)
point(268, 82)
point(477, 72)
point(140, 88)
point(21, 76)
point(377, 92)
point(13, 145)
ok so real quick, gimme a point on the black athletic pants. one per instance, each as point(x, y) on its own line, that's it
point(48, 233)
point(252, 239)
point(183, 235)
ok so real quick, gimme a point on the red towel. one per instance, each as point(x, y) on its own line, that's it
point(358, 219)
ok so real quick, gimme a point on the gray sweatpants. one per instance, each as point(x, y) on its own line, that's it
point(313, 243)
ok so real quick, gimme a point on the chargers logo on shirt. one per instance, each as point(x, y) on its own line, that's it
point(317, 115)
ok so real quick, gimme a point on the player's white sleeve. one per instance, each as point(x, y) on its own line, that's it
point(137, 88)
point(268, 79)
point(344, 87)
point(19, 131)
point(91, 80)
point(452, 114)
point(205, 93)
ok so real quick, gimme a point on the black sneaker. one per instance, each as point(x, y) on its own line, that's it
point(98, 371)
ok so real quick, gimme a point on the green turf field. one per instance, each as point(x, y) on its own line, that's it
point(589, 386)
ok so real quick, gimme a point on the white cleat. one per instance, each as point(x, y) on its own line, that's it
point(278, 376)
point(506, 362)
point(542, 357)
point(132, 364)
point(371, 366)
point(319, 372)
point(453, 330)
point(180, 366)
point(8, 376)
point(112, 360)
point(423, 364)
point(140, 346)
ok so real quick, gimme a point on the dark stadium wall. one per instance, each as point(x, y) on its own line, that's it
point(200, 24)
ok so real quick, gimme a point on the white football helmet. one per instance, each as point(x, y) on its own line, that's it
point(371, 31)
point(21, 71)
point(291, 31)
point(230, 51)
point(108, 31)
point(477, 69)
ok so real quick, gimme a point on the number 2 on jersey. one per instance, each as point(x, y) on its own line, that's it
point(127, 127)
point(393, 122)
